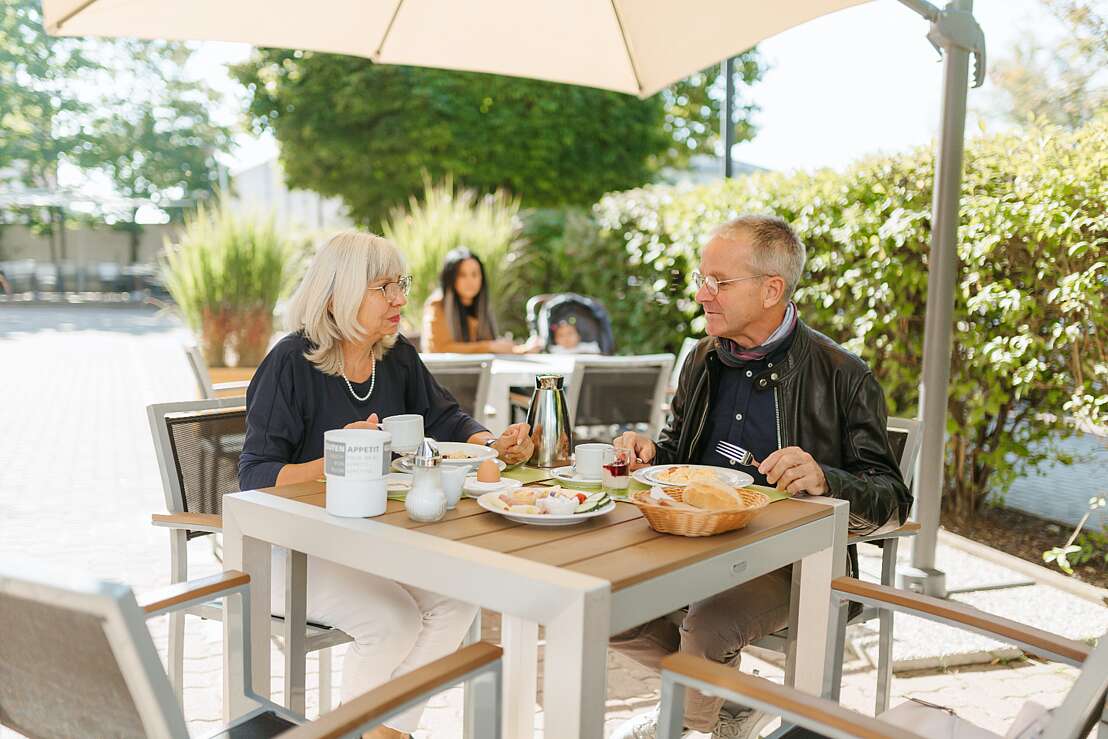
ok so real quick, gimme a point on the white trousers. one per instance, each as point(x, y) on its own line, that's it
point(396, 628)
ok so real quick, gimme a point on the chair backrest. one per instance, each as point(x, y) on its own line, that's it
point(200, 372)
point(76, 659)
point(619, 390)
point(905, 437)
point(687, 347)
point(198, 444)
point(466, 377)
point(1084, 705)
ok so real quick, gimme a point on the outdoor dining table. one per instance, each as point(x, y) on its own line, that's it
point(508, 372)
point(583, 583)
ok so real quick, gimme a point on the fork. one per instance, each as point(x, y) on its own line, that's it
point(736, 454)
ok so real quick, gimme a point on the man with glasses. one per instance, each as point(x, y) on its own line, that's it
point(809, 412)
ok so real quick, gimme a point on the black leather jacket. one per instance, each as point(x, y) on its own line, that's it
point(828, 403)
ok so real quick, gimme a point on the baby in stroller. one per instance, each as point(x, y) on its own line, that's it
point(569, 323)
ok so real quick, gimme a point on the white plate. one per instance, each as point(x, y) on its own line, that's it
point(476, 489)
point(546, 519)
point(569, 474)
point(404, 464)
point(649, 475)
point(398, 482)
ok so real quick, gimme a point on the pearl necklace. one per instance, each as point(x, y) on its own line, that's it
point(372, 379)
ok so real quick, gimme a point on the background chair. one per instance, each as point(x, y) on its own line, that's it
point(466, 377)
point(588, 315)
point(813, 717)
point(198, 444)
point(78, 661)
point(607, 392)
point(905, 437)
point(208, 389)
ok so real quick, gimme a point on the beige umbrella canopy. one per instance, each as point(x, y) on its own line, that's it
point(631, 46)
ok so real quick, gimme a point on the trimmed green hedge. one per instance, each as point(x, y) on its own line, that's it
point(1030, 313)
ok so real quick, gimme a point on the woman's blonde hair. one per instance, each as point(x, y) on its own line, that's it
point(325, 305)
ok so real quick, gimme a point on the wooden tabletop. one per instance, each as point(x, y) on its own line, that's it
point(619, 547)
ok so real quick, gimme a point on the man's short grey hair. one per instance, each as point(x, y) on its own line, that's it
point(776, 249)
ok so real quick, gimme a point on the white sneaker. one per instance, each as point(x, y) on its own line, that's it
point(745, 724)
point(642, 726)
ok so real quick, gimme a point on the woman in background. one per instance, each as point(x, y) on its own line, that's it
point(457, 318)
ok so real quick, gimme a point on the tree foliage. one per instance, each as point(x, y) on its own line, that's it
point(370, 133)
point(1062, 81)
point(1031, 322)
point(118, 110)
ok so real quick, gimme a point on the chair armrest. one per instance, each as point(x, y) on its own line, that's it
point(792, 705)
point(909, 528)
point(936, 609)
point(232, 385)
point(184, 594)
point(379, 702)
point(192, 521)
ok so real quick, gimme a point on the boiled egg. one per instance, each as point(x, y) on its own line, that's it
point(488, 471)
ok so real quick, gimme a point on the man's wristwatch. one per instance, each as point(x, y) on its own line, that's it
point(490, 442)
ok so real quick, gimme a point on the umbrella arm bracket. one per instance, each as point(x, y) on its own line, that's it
point(953, 27)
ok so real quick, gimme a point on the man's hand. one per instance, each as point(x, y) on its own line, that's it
point(515, 445)
point(642, 447)
point(369, 423)
point(793, 470)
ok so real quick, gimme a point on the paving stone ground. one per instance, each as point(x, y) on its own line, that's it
point(78, 482)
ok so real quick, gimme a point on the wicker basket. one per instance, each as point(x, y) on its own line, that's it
point(697, 523)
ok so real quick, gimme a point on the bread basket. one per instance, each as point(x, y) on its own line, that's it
point(700, 522)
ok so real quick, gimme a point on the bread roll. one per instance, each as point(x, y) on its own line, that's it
point(712, 495)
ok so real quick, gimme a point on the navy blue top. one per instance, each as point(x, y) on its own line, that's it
point(742, 413)
point(290, 404)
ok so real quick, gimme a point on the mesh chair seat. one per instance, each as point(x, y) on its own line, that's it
point(263, 726)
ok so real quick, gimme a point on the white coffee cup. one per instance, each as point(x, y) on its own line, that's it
point(453, 478)
point(406, 430)
point(590, 459)
point(355, 462)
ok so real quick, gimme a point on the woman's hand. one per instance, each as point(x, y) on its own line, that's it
point(502, 346)
point(369, 423)
point(514, 445)
point(534, 344)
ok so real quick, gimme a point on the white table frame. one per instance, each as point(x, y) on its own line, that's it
point(578, 611)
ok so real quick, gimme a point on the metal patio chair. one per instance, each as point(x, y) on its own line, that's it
point(208, 389)
point(198, 444)
point(619, 391)
point(905, 438)
point(77, 660)
point(467, 378)
point(811, 717)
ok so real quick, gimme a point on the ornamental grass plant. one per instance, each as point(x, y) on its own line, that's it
point(226, 271)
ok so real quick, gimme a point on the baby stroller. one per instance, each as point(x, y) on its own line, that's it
point(588, 316)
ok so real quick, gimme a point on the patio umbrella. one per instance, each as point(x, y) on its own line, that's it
point(631, 46)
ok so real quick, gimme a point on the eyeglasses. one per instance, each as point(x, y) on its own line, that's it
point(393, 290)
point(713, 284)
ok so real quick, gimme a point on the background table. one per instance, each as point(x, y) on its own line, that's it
point(583, 583)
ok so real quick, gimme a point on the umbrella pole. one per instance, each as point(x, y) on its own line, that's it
point(727, 117)
point(957, 34)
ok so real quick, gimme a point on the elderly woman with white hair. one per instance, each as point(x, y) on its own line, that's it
point(345, 366)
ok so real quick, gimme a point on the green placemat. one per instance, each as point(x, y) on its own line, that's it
point(527, 475)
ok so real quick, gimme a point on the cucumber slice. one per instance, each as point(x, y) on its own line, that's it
point(593, 502)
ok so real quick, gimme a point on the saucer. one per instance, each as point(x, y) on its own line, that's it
point(569, 474)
